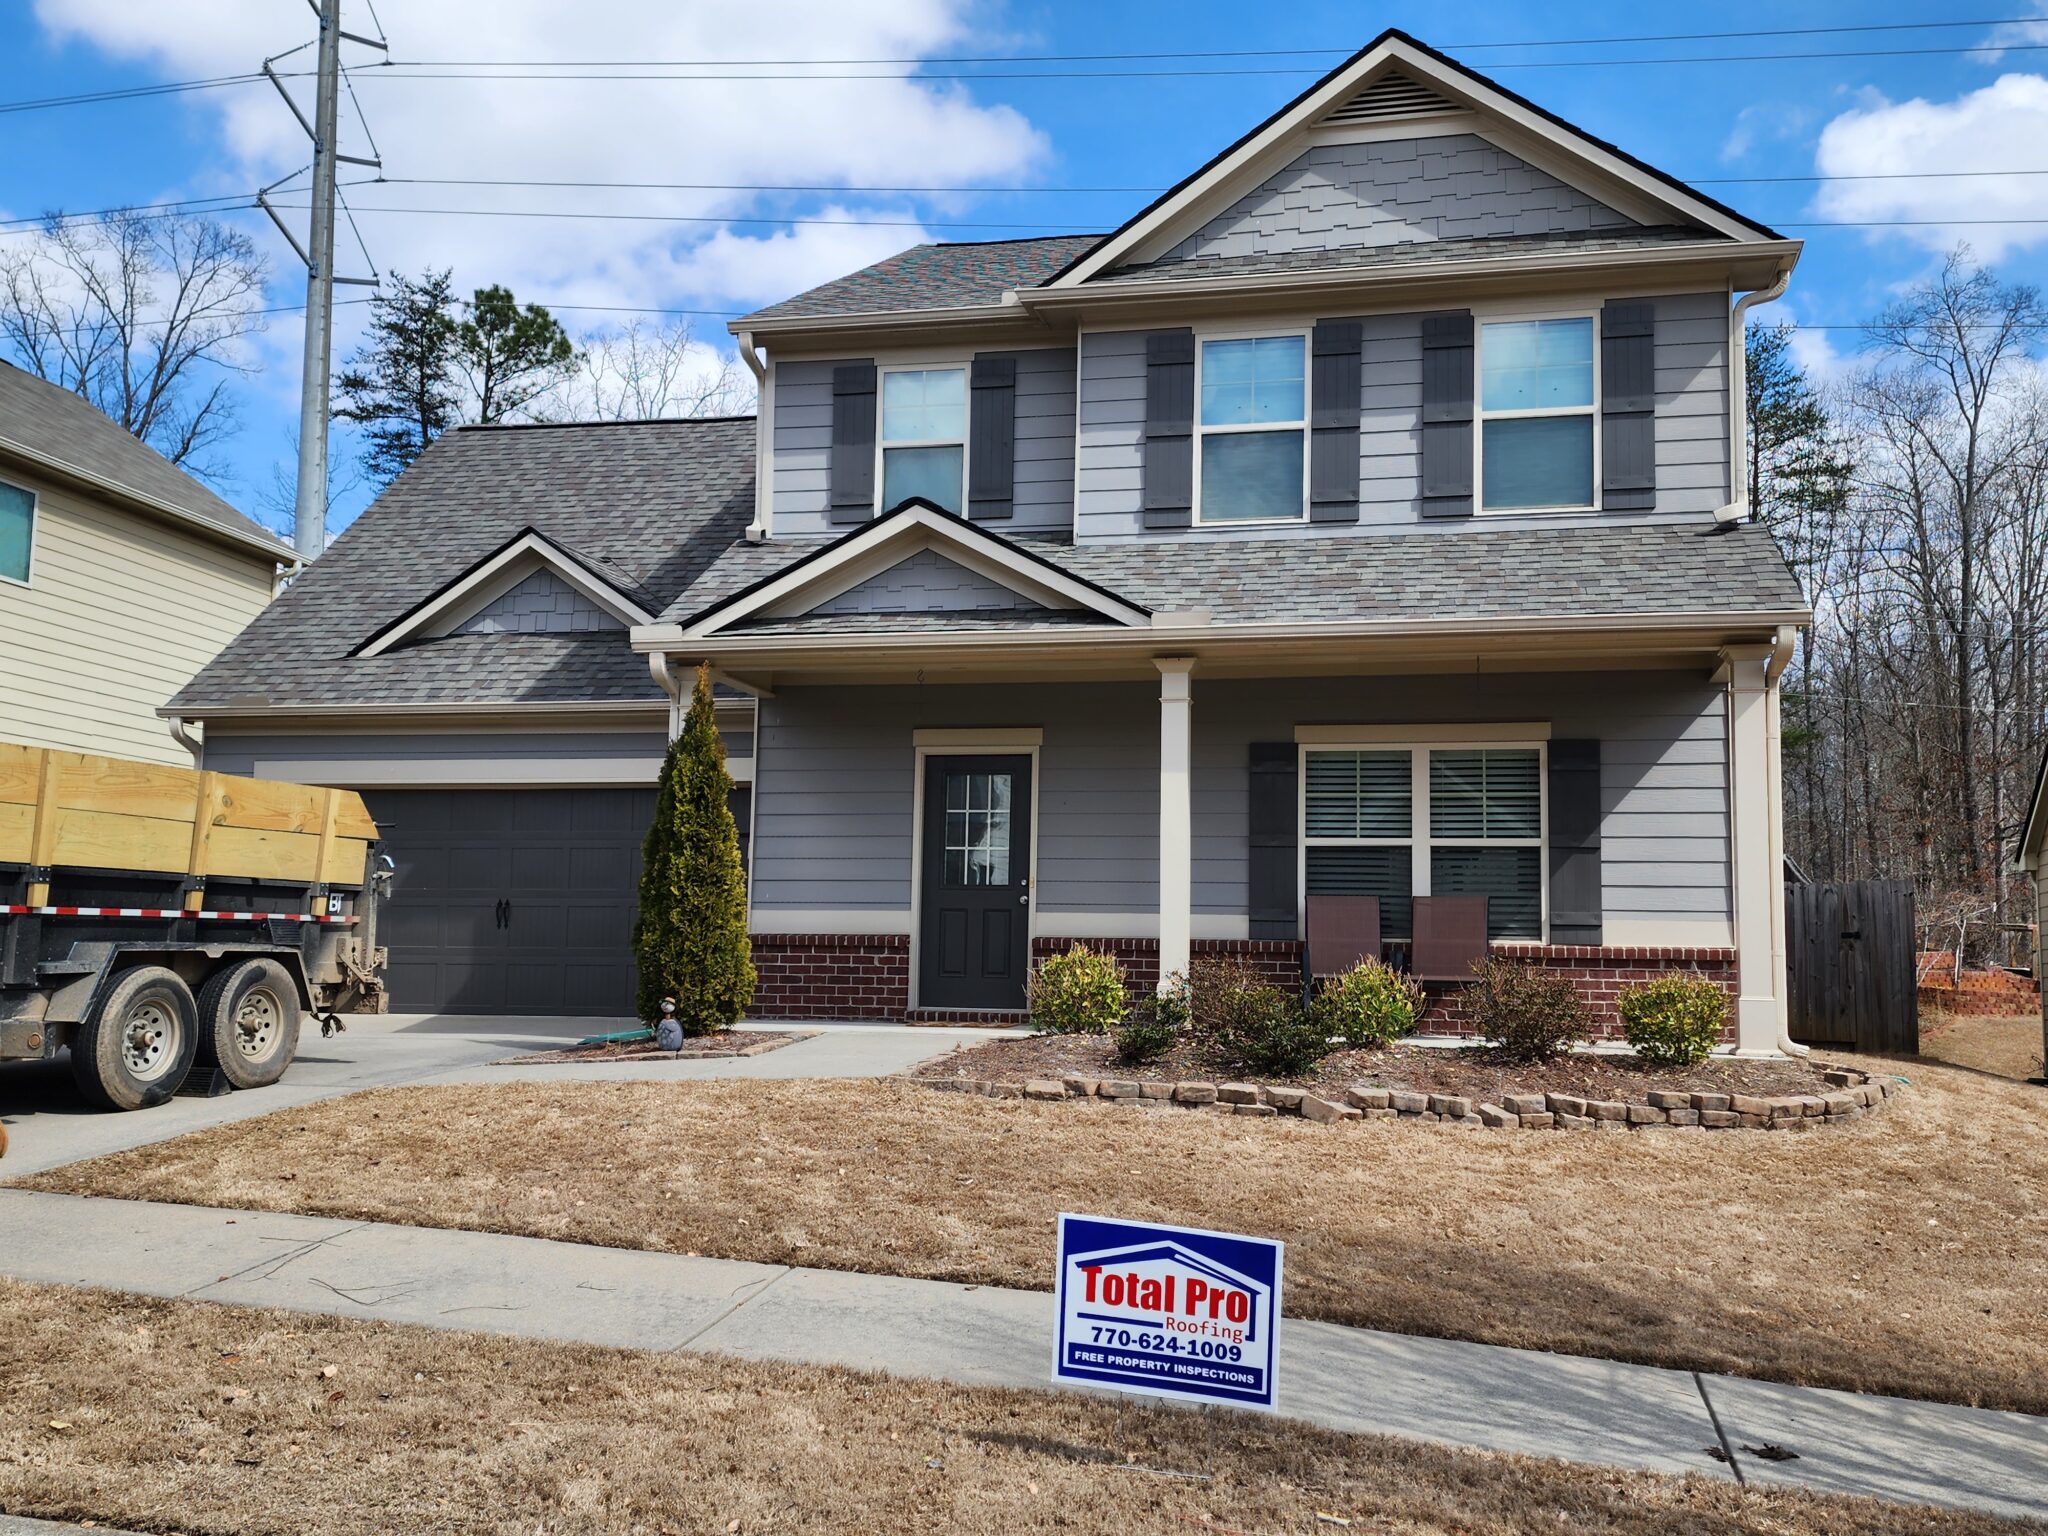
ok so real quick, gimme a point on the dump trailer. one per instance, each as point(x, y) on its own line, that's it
point(165, 923)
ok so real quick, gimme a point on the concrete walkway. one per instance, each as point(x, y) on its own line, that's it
point(1462, 1394)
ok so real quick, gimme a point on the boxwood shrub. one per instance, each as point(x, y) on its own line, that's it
point(1078, 993)
point(1675, 1020)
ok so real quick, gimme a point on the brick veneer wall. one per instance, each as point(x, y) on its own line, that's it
point(831, 976)
point(867, 975)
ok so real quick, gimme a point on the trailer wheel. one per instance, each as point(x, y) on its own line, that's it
point(249, 1023)
point(137, 1047)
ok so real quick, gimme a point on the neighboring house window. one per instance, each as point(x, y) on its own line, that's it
point(1402, 822)
point(17, 531)
point(1536, 406)
point(924, 436)
point(1253, 440)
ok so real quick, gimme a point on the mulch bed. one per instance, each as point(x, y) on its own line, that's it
point(1470, 1072)
point(727, 1042)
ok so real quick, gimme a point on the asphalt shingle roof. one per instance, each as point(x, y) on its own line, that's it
point(1431, 573)
point(52, 421)
point(647, 504)
point(947, 275)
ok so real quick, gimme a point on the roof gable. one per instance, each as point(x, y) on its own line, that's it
point(1397, 86)
point(503, 574)
point(972, 569)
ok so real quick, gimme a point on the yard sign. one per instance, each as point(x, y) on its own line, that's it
point(1168, 1311)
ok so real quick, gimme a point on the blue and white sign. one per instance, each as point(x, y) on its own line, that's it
point(1168, 1311)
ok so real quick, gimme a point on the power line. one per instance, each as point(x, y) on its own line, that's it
point(126, 93)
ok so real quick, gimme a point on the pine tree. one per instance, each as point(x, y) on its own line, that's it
point(400, 385)
point(691, 936)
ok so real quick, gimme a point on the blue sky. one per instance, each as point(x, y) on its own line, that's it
point(1852, 112)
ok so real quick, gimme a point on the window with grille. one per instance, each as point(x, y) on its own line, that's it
point(1401, 822)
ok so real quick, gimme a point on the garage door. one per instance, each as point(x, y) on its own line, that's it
point(512, 900)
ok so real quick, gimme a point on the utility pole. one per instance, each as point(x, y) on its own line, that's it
point(309, 512)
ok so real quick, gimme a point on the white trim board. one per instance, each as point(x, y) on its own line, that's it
point(1515, 733)
point(482, 585)
point(479, 773)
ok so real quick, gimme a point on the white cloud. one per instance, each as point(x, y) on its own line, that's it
point(1764, 122)
point(2003, 126)
point(897, 130)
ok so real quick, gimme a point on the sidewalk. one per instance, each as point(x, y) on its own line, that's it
point(1472, 1395)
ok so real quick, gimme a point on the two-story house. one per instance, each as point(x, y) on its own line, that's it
point(1364, 515)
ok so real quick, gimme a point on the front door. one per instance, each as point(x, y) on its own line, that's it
point(974, 944)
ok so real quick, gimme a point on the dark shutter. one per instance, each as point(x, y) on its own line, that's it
point(853, 442)
point(1169, 429)
point(1335, 394)
point(1628, 407)
point(1447, 414)
point(1574, 842)
point(1275, 816)
point(992, 438)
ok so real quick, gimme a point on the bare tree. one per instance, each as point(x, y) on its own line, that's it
point(642, 371)
point(141, 315)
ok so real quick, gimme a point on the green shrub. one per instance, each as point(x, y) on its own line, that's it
point(1675, 1020)
point(1370, 1004)
point(1240, 1015)
point(690, 939)
point(1526, 1014)
point(1154, 1025)
point(1078, 993)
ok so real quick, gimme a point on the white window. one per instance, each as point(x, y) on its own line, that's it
point(924, 437)
point(1537, 387)
point(1401, 822)
point(1251, 438)
point(17, 531)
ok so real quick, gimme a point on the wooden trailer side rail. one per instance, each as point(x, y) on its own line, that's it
point(78, 809)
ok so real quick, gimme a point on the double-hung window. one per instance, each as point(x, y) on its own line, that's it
point(17, 531)
point(924, 436)
point(1252, 429)
point(1536, 408)
point(1401, 822)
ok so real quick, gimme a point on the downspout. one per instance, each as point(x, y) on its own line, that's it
point(757, 531)
point(1774, 669)
point(1738, 508)
point(181, 733)
point(657, 663)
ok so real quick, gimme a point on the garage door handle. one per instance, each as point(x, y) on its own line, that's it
point(508, 913)
point(499, 913)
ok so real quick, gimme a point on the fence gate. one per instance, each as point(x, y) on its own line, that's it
point(1849, 962)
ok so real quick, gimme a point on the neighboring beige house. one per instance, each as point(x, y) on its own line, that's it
point(120, 577)
point(2033, 861)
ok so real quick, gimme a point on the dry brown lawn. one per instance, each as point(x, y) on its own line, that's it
point(1905, 1253)
point(2008, 1047)
point(183, 1416)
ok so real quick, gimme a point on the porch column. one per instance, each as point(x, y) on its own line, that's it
point(1755, 886)
point(1176, 817)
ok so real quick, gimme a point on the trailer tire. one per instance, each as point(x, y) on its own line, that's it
point(248, 1023)
point(137, 1047)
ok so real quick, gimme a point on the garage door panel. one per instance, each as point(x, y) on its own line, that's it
point(540, 868)
point(596, 868)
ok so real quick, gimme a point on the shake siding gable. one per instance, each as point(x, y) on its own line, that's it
point(121, 610)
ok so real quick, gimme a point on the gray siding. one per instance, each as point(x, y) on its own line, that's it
point(543, 603)
point(1691, 429)
point(833, 805)
point(1394, 192)
point(927, 582)
point(802, 444)
point(477, 757)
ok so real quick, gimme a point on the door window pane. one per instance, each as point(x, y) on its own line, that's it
point(977, 829)
point(1510, 879)
point(1538, 365)
point(1539, 461)
point(924, 405)
point(1250, 477)
point(17, 525)
point(1387, 873)
point(933, 473)
point(1256, 380)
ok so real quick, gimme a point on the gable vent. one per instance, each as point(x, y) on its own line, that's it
point(1390, 96)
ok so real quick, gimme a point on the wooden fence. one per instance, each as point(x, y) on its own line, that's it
point(1849, 961)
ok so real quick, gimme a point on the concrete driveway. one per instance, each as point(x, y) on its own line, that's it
point(49, 1124)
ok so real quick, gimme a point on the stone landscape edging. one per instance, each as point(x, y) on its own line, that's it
point(1853, 1095)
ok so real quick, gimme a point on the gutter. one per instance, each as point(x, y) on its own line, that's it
point(181, 733)
point(278, 552)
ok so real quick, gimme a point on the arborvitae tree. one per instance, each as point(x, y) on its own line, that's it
point(691, 935)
